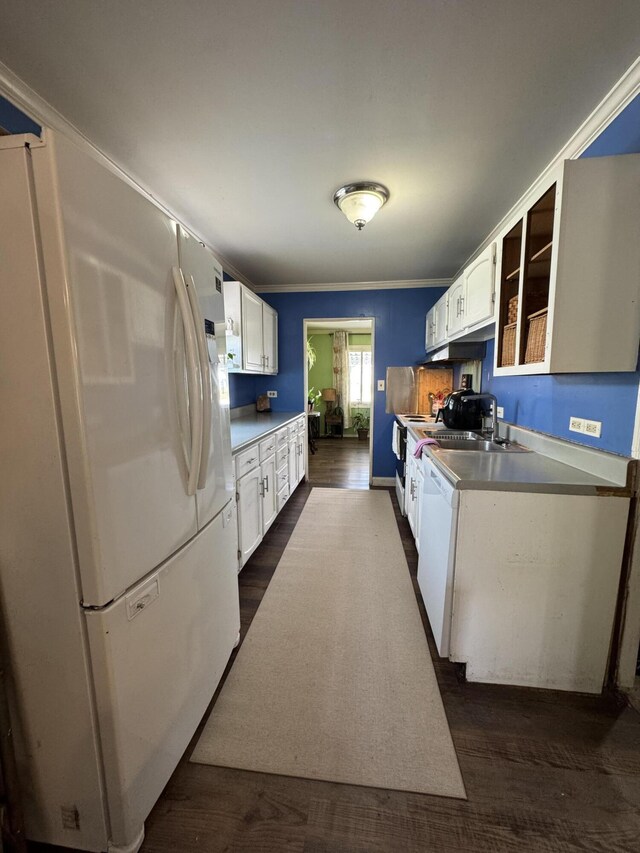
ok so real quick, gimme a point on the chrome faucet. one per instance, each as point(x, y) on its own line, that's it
point(494, 413)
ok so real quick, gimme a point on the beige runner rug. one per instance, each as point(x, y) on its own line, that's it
point(334, 680)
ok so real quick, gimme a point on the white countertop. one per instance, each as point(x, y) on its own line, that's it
point(250, 427)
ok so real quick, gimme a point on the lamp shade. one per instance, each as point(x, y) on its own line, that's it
point(360, 202)
point(329, 395)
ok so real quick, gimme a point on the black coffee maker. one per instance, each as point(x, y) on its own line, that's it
point(458, 413)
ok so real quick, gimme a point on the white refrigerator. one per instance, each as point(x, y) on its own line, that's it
point(118, 531)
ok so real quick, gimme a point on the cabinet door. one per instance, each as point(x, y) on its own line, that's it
point(249, 514)
point(270, 338)
point(410, 493)
point(293, 464)
point(269, 488)
point(479, 278)
point(419, 478)
point(252, 344)
point(440, 333)
point(430, 333)
point(456, 303)
point(300, 441)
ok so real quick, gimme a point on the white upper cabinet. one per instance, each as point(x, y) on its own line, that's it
point(251, 327)
point(430, 334)
point(469, 302)
point(252, 331)
point(456, 306)
point(436, 328)
point(568, 273)
point(270, 338)
point(440, 309)
point(479, 288)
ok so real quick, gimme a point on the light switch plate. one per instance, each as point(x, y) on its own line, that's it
point(500, 411)
point(380, 384)
point(272, 393)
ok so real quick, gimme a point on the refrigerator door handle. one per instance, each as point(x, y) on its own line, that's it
point(205, 373)
point(193, 380)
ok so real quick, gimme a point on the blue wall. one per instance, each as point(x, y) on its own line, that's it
point(16, 122)
point(242, 389)
point(399, 340)
point(545, 403)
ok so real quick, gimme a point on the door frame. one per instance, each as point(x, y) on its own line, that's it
point(310, 321)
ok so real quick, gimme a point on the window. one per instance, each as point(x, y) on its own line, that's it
point(360, 376)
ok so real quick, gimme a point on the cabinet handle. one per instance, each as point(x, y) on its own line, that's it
point(261, 488)
point(462, 305)
point(267, 481)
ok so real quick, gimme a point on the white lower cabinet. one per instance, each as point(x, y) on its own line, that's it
point(269, 494)
point(413, 496)
point(413, 490)
point(267, 472)
point(292, 463)
point(248, 495)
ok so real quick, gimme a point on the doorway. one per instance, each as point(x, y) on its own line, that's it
point(339, 378)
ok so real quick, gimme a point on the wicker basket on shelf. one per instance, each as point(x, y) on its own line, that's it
point(512, 310)
point(508, 345)
point(536, 336)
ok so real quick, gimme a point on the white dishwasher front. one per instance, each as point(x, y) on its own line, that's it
point(436, 563)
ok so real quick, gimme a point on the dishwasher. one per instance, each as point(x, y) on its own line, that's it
point(436, 563)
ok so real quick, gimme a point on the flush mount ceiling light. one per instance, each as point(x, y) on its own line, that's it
point(361, 201)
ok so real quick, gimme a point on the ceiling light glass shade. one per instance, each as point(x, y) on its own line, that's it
point(360, 202)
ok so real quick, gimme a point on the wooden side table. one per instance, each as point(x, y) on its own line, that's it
point(334, 424)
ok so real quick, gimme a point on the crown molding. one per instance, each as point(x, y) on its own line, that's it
point(353, 285)
point(613, 103)
point(22, 96)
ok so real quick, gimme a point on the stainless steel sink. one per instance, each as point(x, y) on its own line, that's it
point(451, 439)
point(457, 434)
point(471, 444)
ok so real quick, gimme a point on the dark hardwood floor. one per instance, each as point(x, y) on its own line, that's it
point(544, 771)
point(342, 462)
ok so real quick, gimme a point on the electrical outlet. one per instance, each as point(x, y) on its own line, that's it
point(593, 428)
point(500, 411)
point(272, 393)
point(380, 384)
point(576, 424)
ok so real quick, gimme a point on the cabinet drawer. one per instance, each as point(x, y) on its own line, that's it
point(283, 496)
point(282, 437)
point(292, 429)
point(267, 447)
point(282, 455)
point(282, 477)
point(246, 460)
point(301, 422)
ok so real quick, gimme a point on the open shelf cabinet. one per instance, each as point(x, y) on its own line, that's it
point(567, 299)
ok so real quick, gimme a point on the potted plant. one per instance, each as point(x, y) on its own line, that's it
point(360, 423)
point(312, 398)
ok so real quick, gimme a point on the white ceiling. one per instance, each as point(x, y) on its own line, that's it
point(245, 116)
